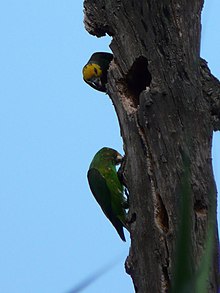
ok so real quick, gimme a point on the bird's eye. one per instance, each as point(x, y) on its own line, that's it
point(96, 71)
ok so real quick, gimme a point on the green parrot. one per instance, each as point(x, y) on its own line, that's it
point(106, 187)
point(96, 69)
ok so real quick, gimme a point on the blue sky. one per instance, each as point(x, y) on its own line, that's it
point(53, 234)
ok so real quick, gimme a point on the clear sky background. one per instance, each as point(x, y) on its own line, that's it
point(53, 234)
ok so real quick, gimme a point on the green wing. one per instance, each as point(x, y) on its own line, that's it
point(117, 197)
point(100, 191)
point(103, 196)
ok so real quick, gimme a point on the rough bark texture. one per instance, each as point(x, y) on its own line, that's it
point(167, 103)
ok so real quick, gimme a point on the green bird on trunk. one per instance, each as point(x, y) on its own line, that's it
point(106, 187)
point(96, 70)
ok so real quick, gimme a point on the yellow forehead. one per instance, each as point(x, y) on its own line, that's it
point(91, 70)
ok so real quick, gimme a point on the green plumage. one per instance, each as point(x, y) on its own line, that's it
point(95, 76)
point(106, 187)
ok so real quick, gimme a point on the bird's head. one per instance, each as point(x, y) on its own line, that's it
point(110, 154)
point(92, 75)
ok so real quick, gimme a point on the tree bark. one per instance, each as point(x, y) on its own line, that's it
point(167, 103)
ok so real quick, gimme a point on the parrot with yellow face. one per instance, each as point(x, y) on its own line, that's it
point(96, 69)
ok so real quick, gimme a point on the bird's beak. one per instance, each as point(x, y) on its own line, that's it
point(119, 158)
point(96, 81)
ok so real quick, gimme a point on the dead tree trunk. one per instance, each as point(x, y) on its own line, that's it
point(167, 103)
